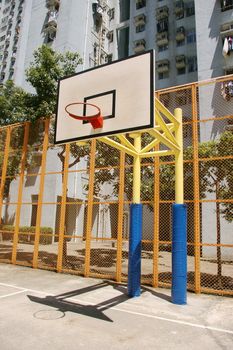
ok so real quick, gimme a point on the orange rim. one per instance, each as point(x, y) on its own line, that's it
point(75, 116)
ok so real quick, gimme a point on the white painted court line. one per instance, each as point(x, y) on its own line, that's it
point(10, 285)
point(128, 311)
point(11, 294)
point(176, 321)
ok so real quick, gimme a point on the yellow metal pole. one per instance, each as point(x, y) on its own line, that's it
point(196, 190)
point(4, 169)
point(90, 209)
point(136, 168)
point(179, 172)
point(155, 282)
point(63, 210)
point(40, 196)
point(120, 216)
point(20, 193)
point(135, 235)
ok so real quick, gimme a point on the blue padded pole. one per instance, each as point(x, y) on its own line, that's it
point(134, 261)
point(179, 254)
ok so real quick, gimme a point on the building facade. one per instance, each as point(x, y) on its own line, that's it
point(188, 36)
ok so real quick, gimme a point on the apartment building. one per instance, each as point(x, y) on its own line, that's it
point(188, 36)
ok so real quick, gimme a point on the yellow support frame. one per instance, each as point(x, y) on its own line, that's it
point(166, 133)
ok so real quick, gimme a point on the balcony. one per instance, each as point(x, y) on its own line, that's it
point(180, 62)
point(140, 46)
point(162, 39)
point(162, 13)
point(140, 20)
point(140, 4)
point(163, 66)
point(53, 4)
point(226, 29)
point(180, 34)
point(226, 5)
point(179, 9)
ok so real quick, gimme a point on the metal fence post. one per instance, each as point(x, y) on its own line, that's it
point(63, 210)
point(20, 192)
point(41, 192)
point(4, 169)
point(120, 215)
point(196, 190)
point(90, 209)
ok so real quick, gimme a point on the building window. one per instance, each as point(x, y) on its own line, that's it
point(162, 26)
point(124, 10)
point(109, 58)
point(140, 28)
point(191, 36)
point(34, 209)
point(123, 42)
point(140, 4)
point(111, 13)
point(228, 71)
point(181, 71)
point(110, 36)
point(226, 5)
point(163, 48)
point(190, 9)
point(179, 9)
point(163, 75)
point(180, 43)
point(192, 64)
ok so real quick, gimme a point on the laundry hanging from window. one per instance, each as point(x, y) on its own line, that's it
point(227, 46)
point(227, 90)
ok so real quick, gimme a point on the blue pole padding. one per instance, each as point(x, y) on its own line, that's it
point(179, 254)
point(135, 243)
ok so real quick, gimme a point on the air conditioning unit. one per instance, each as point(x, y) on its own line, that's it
point(180, 34)
point(179, 7)
point(180, 61)
point(163, 66)
point(139, 20)
point(53, 3)
point(162, 39)
point(226, 29)
point(162, 12)
point(139, 46)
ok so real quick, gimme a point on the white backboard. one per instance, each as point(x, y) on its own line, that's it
point(123, 90)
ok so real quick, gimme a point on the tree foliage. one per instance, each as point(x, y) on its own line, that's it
point(14, 104)
point(17, 105)
point(43, 74)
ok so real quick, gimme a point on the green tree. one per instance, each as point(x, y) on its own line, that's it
point(14, 104)
point(43, 74)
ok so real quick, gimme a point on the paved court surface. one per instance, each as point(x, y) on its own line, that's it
point(42, 310)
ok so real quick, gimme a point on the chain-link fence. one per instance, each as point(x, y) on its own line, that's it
point(66, 208)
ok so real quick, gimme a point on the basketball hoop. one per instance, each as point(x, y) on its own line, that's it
point(96, 120)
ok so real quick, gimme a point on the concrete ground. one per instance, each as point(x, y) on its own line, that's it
point(43, 310)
